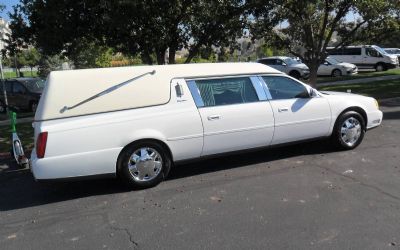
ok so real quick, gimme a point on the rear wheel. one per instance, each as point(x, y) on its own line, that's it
point(144, 164)
point(336, 73)
point(380, 67)
point(349, 130)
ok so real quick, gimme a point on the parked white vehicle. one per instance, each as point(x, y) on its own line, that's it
point(365, 57)
point(393, 51)
point(332, 67)
point(135, 122)
point(287, 65)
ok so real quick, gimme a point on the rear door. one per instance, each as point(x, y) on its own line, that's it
point(235, 113)
point(297, 116)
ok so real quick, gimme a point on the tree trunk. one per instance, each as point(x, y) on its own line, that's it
point(313, 74)
point(171, 56)
point(160, 56)
point(146, 58)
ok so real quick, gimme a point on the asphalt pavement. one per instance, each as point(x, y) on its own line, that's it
point(305, 196)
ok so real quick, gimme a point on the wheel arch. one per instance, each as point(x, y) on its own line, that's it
point(162, 143)
point(333, 70)
point(381, 63)
point(357, 109)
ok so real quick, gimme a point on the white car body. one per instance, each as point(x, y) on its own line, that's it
point(365, 57)
point(330, 65)
point(393, 51)
point(88, 139)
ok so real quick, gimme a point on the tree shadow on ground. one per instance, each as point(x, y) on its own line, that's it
point(19, 190)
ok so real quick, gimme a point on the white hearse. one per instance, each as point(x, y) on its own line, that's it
point(365, 57)
point(135, 122)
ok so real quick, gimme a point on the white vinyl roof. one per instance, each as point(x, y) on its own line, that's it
point(70, 87)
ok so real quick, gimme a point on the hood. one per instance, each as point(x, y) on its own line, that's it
point(347, 65)
point(299, 66)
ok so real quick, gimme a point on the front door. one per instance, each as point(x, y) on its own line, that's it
point(234, 112)
point(297, 116)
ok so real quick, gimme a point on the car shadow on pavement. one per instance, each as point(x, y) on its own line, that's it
point(19, 190)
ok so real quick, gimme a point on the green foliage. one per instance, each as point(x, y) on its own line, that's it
point(310, 25)
point(48, 64)
point(147, 28)
point(86, 54)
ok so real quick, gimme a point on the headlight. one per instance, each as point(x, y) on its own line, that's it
point(376, 104)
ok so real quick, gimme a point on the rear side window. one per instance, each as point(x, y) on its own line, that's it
point(284, 88)
point(352, 51)
point(8, 85)
point(216, 92)
point(267, 61)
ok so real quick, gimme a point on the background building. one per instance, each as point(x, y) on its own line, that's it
point(4, 31)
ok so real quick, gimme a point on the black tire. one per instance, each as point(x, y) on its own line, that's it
point(380, 67)
point(336, 73)
point(295, 74)
point(124, 160)
point(337, 135)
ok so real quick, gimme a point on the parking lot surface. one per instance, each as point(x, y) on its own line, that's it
point(305, 196)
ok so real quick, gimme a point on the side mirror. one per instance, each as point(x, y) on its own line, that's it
point(313, 93)
point(326, 63)
point(284, 64)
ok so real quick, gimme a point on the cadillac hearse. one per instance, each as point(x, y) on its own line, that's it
point(136, 122)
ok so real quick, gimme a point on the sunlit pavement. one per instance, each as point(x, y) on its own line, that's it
point(305, 196)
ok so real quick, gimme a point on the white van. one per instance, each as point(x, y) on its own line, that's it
point(135, 122)
point(365, 57)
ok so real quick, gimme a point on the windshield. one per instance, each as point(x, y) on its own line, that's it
point(34, 85)
point(392, 51)
point(332, 61)
point(380, 50)
point(290, 61)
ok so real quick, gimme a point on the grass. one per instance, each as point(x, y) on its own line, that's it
point(378, 90)
point(25, 134)
point(26, 74)
point(362, 74)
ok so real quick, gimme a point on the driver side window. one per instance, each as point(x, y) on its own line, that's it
point(284, 88)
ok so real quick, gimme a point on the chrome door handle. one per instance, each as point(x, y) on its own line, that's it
point(283, 109)
point(213, 117)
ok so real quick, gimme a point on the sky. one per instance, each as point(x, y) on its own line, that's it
point(8, 4)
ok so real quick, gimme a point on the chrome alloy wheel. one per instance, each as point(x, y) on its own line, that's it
point(350, 131)
point(145, 164)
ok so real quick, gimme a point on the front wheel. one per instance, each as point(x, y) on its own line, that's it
point(144, 164)
point(336, 73)
point(349, 130)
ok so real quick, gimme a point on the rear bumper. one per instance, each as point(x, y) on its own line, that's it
point(81, 165)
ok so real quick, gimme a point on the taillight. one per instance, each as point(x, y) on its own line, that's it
point(41, 144)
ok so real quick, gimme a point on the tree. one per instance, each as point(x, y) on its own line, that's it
point(214, 24)
point(48, 64)
point(31, 57)
point(307, 27)
point(149, 28)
